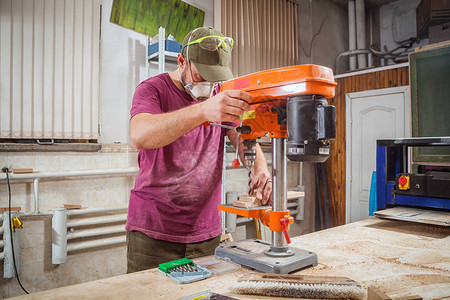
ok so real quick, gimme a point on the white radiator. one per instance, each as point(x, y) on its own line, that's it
point(49, 68)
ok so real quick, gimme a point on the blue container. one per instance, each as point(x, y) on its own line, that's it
point(171, 46)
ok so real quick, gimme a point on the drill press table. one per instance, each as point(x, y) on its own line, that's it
point(397, 257)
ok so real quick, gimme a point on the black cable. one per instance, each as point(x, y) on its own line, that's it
point(6, 170)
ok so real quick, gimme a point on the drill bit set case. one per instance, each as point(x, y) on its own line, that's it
point(184, 270)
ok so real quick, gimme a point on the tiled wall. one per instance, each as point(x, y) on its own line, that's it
point(38, 272)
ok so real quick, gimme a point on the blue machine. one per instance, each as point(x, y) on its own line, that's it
point(428, 188)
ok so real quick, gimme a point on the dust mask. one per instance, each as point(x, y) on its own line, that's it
point(200, 91)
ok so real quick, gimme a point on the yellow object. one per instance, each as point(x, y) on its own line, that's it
point(251, 114)
point(16, 223)
point(403, 182)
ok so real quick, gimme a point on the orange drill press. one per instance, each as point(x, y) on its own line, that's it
point(290, 105)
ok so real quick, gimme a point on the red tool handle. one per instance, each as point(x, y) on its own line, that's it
point(206, 124)
point(284, 226)
point(236, 163)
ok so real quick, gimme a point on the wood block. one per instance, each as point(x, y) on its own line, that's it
point(226, 237)
point(242, 204)
point(22, 171)
point(374, 293)
point(414, 297)
point(246, 198)
point(295, 194)
point(72, 206)
point(247, 201)
point(15, 208)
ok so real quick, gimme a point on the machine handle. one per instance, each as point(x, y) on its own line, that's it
point(284, 227)
point(236, 163)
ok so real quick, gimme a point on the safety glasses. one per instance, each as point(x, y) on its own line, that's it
point(212, 43)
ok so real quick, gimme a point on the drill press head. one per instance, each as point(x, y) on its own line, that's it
point(291, 103)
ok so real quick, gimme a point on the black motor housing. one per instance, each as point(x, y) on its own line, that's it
point(311, 123)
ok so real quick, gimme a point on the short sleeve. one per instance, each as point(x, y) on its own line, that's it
point(146, 99)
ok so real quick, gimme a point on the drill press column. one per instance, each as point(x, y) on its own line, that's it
point(279, 187)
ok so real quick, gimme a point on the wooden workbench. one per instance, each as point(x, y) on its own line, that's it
point(398, 257)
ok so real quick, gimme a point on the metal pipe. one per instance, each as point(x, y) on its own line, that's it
point(95, 232)
point(279, 190)
point(118, 171)
point(95, 221)
point(84, 211)
point(361, 31)
point(404, 158)
point(351, 32)
point(300, 174)
point(36, 195)
point(92, 244)
point(37, 176)
point(59, 236)
point(349, 53)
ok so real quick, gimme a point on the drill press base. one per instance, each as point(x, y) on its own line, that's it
point(250, 253)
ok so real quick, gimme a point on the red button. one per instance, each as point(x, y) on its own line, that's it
point(402, 180)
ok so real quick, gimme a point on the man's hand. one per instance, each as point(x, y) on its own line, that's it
point(262, 182)
point(227, 106)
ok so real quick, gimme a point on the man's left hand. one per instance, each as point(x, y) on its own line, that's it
point(262, 183)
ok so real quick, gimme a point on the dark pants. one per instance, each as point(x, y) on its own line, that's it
point(144, 252)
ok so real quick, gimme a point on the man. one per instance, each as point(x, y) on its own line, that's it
point(173, 206)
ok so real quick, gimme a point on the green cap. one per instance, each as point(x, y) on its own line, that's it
point(212, 65)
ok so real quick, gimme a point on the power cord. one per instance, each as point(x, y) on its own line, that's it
point(6, 171)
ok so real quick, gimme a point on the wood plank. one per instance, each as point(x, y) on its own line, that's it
point(432, 46)
point(373, 293)
point(419, 215)
point(22, 171)
point(72, 206)
point(295, 194)
point(14, 208)
point(247, 201)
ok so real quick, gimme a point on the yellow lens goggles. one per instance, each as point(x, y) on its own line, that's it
point(212, 43)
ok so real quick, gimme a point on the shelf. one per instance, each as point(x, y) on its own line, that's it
point(168, 55)
point(162, 52)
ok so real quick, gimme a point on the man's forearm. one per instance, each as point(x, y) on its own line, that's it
point(150, 131)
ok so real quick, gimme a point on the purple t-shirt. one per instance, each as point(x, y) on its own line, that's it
point(178, 186)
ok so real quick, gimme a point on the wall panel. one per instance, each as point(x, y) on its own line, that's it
point(49, 68)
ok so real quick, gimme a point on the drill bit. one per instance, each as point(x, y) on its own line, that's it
point(250, 181)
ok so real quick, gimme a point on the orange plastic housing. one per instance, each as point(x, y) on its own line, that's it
point(271, 88)
point(281, 83)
